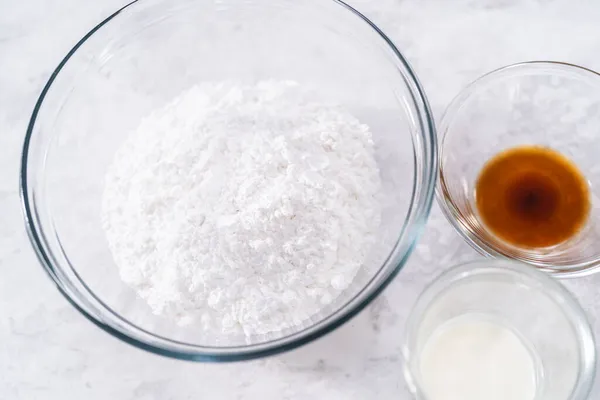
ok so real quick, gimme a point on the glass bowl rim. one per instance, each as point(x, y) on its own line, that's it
point(559, 294)
point(423, 189)
point(444, 199)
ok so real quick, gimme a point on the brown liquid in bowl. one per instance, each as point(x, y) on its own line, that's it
point(532, 197)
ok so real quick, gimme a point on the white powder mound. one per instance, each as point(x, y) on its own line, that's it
point(243, 208)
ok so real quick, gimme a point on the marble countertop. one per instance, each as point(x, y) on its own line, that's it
point(49, 351)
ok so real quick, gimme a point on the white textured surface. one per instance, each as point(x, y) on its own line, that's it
point(234, 202)
point(49, 351)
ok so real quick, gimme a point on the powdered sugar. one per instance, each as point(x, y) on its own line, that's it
point(243, 208)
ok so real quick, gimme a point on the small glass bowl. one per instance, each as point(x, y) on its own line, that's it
point(537, 308)
point(550, 104)
point(145, 54)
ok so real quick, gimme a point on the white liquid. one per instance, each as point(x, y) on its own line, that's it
point(470, 359)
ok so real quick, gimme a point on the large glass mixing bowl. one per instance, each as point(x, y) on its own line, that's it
point(148, 52)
